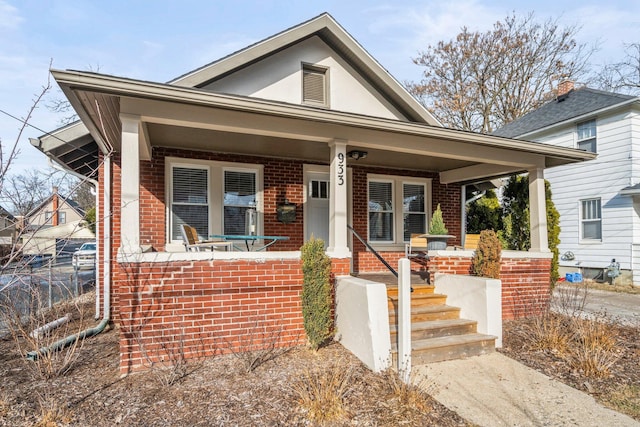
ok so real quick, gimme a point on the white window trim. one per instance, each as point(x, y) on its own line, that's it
point(398, 210)
point(216, 193)
point(581, 220)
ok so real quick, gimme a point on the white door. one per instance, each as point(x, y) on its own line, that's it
point(317, 209)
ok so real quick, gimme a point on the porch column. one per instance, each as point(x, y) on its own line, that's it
point(130, 181)
point(338, 242)
point(538, 211)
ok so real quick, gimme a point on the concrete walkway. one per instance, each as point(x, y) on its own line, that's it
point(494, 390)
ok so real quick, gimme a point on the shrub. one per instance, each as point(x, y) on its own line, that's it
point(322, 393)
point(437, 223)
point(486, 259)
point(316, 293)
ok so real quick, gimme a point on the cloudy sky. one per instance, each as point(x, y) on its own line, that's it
point(158, 40)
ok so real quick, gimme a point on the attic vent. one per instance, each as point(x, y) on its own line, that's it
point(314, 85)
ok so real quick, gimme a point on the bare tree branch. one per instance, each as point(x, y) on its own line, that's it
point(481, 81)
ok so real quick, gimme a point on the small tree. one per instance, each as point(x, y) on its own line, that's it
point(437, 223)
point(484, 214)
point(316, 293)
point(486, 259)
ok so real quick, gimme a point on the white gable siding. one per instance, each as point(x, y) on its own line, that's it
point(601, 178)
point(279, 78)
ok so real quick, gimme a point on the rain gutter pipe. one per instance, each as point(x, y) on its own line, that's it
point(60, 344)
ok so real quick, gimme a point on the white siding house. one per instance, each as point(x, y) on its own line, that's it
point(598, 200)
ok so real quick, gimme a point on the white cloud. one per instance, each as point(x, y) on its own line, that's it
point(10, 19)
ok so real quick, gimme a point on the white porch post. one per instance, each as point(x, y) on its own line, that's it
point(338, 242)
point(538, 211)
point(130, 180)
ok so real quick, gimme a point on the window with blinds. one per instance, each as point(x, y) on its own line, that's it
point(414, 214)
point(381, 211)
point(314, 85)
point(190, 200)
point(239, 202)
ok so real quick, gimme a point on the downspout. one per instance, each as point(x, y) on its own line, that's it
point(64, 342)
point(81, 177)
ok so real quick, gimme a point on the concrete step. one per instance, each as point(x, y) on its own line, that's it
point(437, 328)
point(448, 348)
point(418, 289)
point(427, 312)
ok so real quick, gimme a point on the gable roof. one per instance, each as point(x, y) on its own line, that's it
point(574, 104)
point(72, 204)
point(336, 37)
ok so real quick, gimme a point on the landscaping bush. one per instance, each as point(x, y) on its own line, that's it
point(316, 293)
point(486, 259)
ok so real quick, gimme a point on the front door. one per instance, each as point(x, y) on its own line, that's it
point(317, 209)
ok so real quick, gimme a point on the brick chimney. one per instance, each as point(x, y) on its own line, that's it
point(564, 87)
point(54, 201)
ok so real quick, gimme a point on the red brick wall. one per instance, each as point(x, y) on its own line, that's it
point(209, 305)
point(525, 282)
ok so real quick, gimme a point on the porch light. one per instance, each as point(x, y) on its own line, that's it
point(357, 154)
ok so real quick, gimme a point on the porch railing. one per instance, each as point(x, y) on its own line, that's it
point(373, 251)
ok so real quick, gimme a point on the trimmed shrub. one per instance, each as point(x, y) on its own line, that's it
point(486, 259)
point(316, 293)
point(437, 223)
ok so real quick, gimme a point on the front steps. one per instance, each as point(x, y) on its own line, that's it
point(437, 332)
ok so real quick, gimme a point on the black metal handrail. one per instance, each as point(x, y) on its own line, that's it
point(382, 260)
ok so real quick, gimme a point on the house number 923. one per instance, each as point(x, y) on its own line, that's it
point(340, 168)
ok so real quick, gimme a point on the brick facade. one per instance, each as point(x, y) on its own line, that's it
point(208, 306)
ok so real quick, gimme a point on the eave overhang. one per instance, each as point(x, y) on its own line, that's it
point(100, 99)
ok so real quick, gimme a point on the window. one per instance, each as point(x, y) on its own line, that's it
point(397, 208)
point(240, 202)
point(319, 189)
point(214, 197)
point(48, 216)
point(591, 219)
point(314, 85)
point(62, 217)
point(381, 211)
point(587, 136)
point(415, 217)
point(190, 200)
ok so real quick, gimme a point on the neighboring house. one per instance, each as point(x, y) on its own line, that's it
point(598, 200)
point(7, 228)
point(53, 227)
point(302, 133)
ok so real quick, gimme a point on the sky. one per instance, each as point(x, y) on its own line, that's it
point(158, 40)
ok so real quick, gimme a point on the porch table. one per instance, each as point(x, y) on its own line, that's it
point(250, 240)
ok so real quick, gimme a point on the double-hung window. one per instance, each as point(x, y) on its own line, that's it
point(190, 200)
point(587, 136)
point(240, 216)
point(591, 219)
point(214, 197)
point(397, 208)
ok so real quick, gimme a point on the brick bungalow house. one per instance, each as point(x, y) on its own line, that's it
point(305, 118)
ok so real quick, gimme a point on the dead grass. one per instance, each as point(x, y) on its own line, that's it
point(625, 398)
point(52, 413)
point(411, 394)
point(626, 288)
point(594, 346)
point(548, 332)
point(322, 394)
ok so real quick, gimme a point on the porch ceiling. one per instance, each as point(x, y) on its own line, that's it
point(161, 135)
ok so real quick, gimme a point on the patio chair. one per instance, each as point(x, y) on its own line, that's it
point(191, 242)
point(417, 246)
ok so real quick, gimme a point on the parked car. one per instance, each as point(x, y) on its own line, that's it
point(85, 256)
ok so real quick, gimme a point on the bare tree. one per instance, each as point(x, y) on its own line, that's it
point(623, 76)
point(481, 81)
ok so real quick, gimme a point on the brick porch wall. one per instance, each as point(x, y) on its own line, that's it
point(525, 281)
point(200, 308)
